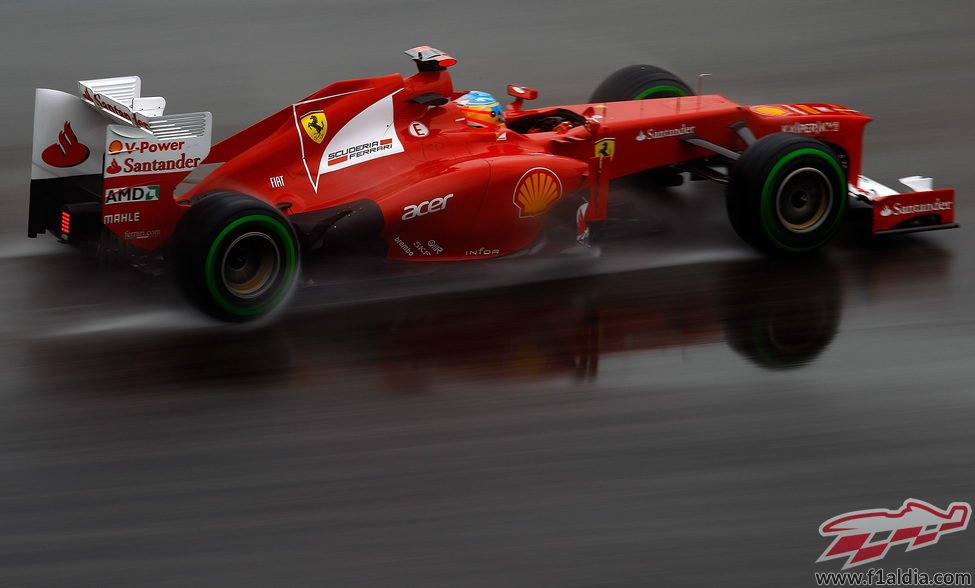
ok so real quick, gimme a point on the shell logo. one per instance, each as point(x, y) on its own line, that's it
point(770, 110)
point(537, 189)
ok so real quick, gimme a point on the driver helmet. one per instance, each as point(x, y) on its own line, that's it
point(481, 109)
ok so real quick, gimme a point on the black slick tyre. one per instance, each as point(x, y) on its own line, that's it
point(234, 257)
point(787, 194)
point(640, 82)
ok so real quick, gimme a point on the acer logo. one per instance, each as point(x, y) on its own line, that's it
point(426, 207)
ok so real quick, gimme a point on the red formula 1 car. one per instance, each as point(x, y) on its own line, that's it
point(413, 169)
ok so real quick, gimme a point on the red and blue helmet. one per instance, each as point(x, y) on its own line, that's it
point(481, 109)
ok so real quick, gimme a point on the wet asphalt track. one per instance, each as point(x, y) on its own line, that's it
point(674, 412)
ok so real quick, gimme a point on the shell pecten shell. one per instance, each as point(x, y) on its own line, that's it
point(536, 191)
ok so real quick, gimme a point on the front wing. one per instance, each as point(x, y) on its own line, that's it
point(922, 209)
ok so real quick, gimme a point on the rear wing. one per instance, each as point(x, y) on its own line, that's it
point(69, 140)
point(107, 138)
point(156, 140)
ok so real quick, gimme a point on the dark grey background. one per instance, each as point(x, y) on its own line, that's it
point(610, 430)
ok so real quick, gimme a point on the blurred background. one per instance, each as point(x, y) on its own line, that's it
point(677, 411)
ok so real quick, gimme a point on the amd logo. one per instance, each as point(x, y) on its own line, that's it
point(131, 194)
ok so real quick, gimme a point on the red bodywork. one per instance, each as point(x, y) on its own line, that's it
point(370, 159)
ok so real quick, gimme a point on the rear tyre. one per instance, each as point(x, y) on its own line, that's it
point(640, 82)
point(234, 257)
point(787, 194)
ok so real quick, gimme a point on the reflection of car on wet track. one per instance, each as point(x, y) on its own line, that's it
point(776, 315)
point(414, 170)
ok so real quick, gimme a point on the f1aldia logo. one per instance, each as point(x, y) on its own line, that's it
point(864, 536)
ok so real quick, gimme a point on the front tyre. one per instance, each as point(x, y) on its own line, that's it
point(640, 82)
point(787, 194)
point(234, 257)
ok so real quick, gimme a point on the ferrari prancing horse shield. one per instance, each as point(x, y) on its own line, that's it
point(315, 125)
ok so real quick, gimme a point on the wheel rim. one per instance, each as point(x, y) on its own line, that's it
point(250, 265)
point(804, 200)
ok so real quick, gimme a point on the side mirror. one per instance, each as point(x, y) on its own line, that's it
point(520, 93)
point(429, 59)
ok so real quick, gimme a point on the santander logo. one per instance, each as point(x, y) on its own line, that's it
point(67, 152)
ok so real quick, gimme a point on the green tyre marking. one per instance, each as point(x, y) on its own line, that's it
point(768, 224)
point(290, 254)
point(671, 91)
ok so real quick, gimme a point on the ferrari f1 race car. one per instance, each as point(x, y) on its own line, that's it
point(417, 171)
